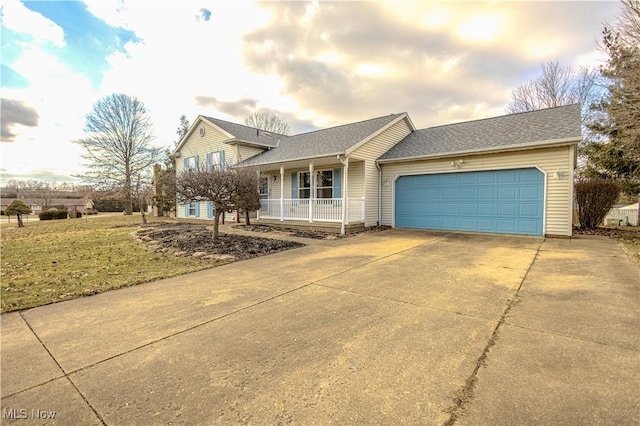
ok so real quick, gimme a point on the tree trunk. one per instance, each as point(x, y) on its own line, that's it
point(20, 224)
point(144, 217)
point(128, 199)
point(247, 221)
point(216, 221)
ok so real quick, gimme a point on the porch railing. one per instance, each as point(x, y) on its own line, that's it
point(316, 210)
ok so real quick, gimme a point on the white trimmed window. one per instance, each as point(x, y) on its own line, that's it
point(191, 164)
point(264, 187)
point(324, 184)
point(214, 160)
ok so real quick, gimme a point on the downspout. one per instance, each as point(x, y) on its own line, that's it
point(282, 193)
point(345, 193)
point(379, 192)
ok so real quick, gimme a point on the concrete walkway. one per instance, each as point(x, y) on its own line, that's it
point(395, 327)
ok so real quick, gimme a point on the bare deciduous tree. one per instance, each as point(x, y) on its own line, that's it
point(214, 184)
point(118, 144)
point(227, 188)
point(268, 122)
point(557, 86)
point(43, 192)
point(247, 197)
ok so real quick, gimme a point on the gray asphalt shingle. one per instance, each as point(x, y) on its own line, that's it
point(320, 143)
point(247, 134)
point(489, 134)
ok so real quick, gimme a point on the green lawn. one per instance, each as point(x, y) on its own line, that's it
point(51, 261)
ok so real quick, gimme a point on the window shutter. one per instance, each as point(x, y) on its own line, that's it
point(222, 163)
point(186, 209)
point(186, 165)
point(197, 209)
point(337, 180)
point(209, 155)
point(197, 164)
point(209, 209)
point(294, 185)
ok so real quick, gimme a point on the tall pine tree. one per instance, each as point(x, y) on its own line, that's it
point(617, 155)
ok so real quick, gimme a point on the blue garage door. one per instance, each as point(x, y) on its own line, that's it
point(502, 201)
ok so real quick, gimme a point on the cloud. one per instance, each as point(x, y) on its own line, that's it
point(17, 17)
point(241, 108)
point(13, 113)
point(44, 175)
point(244, 107)
point(88, 39)
point(316, 64)
point(346, 61)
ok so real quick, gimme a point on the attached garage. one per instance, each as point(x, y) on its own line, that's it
point(498, 201)
point(511, 175)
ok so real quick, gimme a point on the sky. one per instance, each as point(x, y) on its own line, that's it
point(315, 64)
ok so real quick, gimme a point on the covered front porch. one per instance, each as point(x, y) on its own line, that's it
point(321, 191)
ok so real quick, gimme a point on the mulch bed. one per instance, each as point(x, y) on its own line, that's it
point(196, 238)
point(301, 233)
point(316, 235)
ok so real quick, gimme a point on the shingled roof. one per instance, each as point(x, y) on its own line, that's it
point(247, 134)
point(514, 131)
point(322, 143)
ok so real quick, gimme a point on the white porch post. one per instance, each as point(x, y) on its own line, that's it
point(282, 193)
point(312, 190)
point(345, 196)
point(258, 173)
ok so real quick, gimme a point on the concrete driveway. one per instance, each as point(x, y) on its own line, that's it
point(395, 327)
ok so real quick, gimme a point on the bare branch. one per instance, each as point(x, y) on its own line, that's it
point(268, 122)
point(117, 145)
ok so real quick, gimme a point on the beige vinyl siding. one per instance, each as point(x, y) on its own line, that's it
point(200, 146)
point(244, 152)
point(356, 179)
point(369, 153)
point(203, 211)
point(558, 196)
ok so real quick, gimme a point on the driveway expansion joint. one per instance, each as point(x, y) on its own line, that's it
point(401, 302)
point(577, 338)
point(62, 370)
point(465, 394)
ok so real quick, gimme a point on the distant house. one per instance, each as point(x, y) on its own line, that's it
point(511, 174)
point(77, 204)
